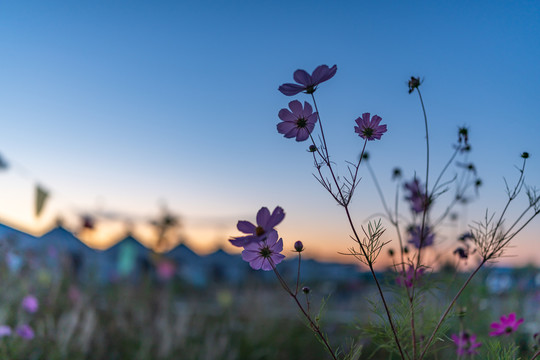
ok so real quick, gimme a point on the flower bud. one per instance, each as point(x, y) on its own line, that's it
point(391, 252)
point(413, 83)
point(396, 174)
point(525, 155)
point(306, 290)
point(312, 148)
point(298, 246)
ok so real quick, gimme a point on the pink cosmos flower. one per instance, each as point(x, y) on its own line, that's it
point(265, 224)
point(306, 82)
point(416, 239)
point(5, 331)
point(264, 254)
point(25, 331)
point(416, 196)
point(369, 129)
point(410, 276)
point(30, 304)
point(508, 325)
point(466, 344)
point(299, 122)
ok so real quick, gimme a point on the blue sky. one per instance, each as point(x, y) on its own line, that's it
point(123, 106)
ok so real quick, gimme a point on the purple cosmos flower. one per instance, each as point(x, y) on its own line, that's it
point(508, 325)
point(308, 83)
point(410, 276)
point(264, 254)
point(417, 240)
point(417, 198)
point(369, 129)
point(265, 224)
point(299, 122)
point(30, 304)
point(466, 344)
point(5, 331)
point(25, 331)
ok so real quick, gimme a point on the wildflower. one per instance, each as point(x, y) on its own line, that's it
point(308, 83)
point(463, 135)
point(264, 254)
point(165, 269)
point(462, 253)
point(414, 83)
point(30, 304)
point(420, 241)
point(508, 325)
point(299, 122)
point(265, 224)
point(298, 246)
point(466, 344)
point(25, 331)
point(416, 197)
point(396, 174)
point(369, 129)
point(410, 276)
point(5, 331)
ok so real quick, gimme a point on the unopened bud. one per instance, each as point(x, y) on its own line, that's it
point(306, 290)
point(525, 155)
point(298, 246)
point(312, 148)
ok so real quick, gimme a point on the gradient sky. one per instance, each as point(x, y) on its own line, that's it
point(122, 107)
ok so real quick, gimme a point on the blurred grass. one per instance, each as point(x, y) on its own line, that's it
point(147, 319)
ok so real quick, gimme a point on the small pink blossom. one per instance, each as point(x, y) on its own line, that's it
point(25, 331)
point(466, 344)
point(264, 254)
point(30, 304)
point(265, 224)
point(410, 276)
point(506, 326)
point(369, 129)
point(5, 331)
point(297, 123)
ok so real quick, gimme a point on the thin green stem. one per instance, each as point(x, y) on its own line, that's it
point(312, 324)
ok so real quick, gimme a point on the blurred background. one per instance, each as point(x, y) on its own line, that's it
point(135, 135)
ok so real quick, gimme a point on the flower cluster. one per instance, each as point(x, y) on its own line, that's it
point(262, 249)
point(29, 304)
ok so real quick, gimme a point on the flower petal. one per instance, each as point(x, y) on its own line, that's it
point(246, 227)
point(250, 255)
point(296, 108)
point(322, 73)
point(262, 217)
point(285, 127)
point(286, 115)
point(291, 89)
point(257, 263)
point(302, 135)
point(302, 77)
point(277, 216)
point(308, 110)
point(242, 241)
